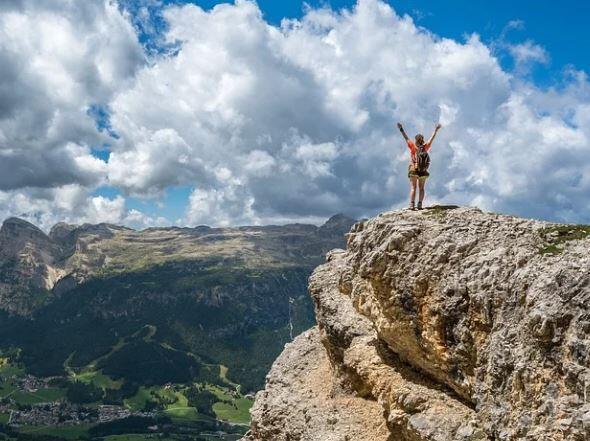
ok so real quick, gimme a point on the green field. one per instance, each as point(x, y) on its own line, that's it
point(229, 408)
point(183, 413)
point(169, 397)
point(7, 389)
point(177, 407)
point(139, 400)
point(39, 396)
point(98, 379)
point(238, 412)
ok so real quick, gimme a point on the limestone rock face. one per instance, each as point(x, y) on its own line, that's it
point(300, 401)
point(27, 265)
point(460, 324)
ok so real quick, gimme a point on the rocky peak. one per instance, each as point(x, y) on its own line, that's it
point(339, 224)
point(27, 258)
point(16, 235)
point(61, 231)
point(15, 227)
point(461, 324)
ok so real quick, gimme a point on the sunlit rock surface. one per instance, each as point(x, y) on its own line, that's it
point(460, 324)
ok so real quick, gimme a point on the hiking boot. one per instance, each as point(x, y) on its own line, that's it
point(419, 205)
point(412, 207)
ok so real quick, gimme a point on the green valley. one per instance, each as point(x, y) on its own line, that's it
point(108, 333)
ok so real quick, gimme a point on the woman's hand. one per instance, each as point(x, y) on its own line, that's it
point(401, 129)
point(436, 129)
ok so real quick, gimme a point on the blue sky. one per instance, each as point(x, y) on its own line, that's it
point(559, 27)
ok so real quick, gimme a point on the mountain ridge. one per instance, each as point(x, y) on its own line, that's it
point(36, 262)
point(334, 219)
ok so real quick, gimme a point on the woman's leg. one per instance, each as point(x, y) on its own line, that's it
point(421, 183)
point(413, 182)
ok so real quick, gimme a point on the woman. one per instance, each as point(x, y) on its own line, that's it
point(419, 162)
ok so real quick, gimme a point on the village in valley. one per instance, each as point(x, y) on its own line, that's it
point(56, 410)
point(35, 405)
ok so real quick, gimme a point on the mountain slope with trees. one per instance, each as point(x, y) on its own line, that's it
point(134, 315)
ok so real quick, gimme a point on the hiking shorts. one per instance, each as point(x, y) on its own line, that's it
point(413, 173)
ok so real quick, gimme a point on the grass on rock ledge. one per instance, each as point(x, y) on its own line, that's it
point(557, 236)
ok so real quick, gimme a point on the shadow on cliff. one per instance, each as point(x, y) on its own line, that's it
point(442, 207)
point(412, 375)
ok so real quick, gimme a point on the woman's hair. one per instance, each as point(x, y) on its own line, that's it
point(419, 139)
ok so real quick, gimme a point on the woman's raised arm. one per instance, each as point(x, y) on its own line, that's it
point(436, 129)
point(401, 129)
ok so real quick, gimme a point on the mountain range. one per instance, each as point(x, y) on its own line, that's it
point(127, 312)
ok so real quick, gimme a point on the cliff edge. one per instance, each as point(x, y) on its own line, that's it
point(444, 324)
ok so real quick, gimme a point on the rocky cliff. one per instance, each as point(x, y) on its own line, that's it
point(442, 324)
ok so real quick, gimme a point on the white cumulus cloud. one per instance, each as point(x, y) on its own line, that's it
point(294, 122)
point(59, 59)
